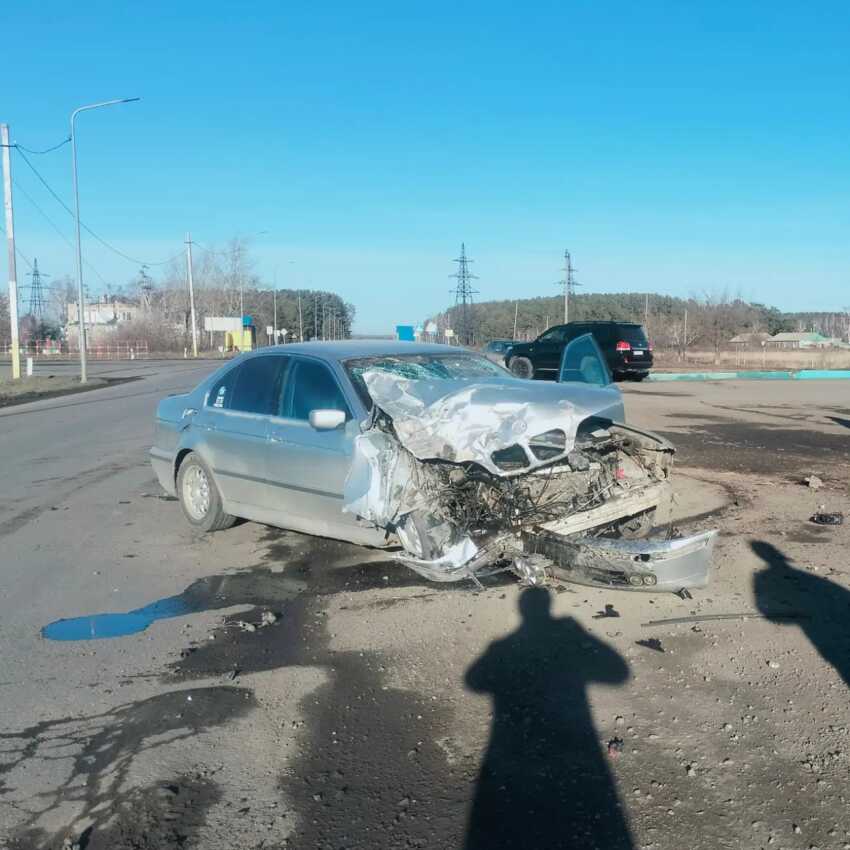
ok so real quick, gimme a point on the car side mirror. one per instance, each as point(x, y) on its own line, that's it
point(327, 420)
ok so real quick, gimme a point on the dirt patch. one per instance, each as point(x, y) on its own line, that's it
point(47, 387)
point(758, 448)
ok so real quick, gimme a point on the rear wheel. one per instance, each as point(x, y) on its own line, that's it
point(521, 367)
point(199, 497)
point(639, 376)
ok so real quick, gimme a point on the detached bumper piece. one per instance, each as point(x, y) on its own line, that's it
point(626, 564)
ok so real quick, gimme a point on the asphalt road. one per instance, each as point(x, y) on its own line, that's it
point(381, 711)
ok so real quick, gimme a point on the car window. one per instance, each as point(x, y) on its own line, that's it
point(311, 386)
point(222, 390)
point(633, 334)
point(584, 363)
point(557, 334)
point(257, 385)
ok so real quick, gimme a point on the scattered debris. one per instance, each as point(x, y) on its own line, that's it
point(269, 618)
point(470, 477)
point(651, 643)
point(813, 482)
point(691, 770)
point(615, 747)
point(684, 593)
point(826, 518)
point(609, 611)
point(744, 615)
point(246, 627)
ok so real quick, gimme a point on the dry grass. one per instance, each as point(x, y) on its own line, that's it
point(768, 359)
point(31, 389)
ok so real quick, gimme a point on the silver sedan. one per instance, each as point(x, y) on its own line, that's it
point(429, 448)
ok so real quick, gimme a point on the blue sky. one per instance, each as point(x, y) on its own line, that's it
point(675, 147)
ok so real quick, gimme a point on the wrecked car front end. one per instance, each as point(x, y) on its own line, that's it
point(540, 479)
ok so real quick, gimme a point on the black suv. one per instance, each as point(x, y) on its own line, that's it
point(624, 345)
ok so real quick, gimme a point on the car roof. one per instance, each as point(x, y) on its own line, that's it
point(344, 349)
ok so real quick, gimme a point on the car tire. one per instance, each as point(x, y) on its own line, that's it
point(639, 376)
point(521, 367)
point(199, 496)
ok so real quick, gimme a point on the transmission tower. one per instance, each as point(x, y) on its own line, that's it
point(569, 284)
point(36, 292)
point(463, 297)
point(145, 288)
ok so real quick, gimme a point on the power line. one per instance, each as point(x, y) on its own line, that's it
point(88, 230)
point(58, 230)
point(20, 147)
point(17, 249)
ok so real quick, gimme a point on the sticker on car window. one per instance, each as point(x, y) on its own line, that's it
point(219, 399)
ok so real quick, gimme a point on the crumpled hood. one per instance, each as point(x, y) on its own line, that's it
point(464, 421)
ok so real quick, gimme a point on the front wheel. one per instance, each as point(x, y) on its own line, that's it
point(521, 367)
point(199, 497)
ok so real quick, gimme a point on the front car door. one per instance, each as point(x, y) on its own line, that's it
point(309, 466)
point(547, 351)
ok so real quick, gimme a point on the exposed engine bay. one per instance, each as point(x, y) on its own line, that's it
point(471, 481)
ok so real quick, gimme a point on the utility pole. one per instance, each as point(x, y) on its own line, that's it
point(316, 316)
point(10, 241)
point(274, 323)
point(646, 311)
point(191, 294)
point(569, 283)
point(300, 321)
point(516, 314)
point(463, 295)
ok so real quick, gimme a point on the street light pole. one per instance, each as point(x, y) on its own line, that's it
point(191, 294)
point(80, 298)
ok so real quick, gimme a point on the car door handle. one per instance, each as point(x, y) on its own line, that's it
point(189, 411)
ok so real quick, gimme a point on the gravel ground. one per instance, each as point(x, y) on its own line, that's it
point(320, 696)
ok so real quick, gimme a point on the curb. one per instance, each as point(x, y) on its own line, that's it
point(799, 375)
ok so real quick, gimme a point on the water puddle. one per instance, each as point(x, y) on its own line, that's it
point(252, 587)
point(99, 626)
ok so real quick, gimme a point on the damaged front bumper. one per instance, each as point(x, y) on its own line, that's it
point(677, 564)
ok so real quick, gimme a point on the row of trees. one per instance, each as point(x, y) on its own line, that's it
point(225, 283)
point(671, 323)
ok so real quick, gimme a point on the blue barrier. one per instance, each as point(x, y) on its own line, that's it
point(801, 375)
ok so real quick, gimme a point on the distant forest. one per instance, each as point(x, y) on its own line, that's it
point(671, 322)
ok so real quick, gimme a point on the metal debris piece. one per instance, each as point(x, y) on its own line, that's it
point(531, 569)
point(615, 747)
point(609, 611)
point(813, 482)
point(827, 518)
point(744, 615)
point(651, 643)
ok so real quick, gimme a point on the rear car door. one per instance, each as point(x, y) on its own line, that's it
point(237, 416)
point(308, 466)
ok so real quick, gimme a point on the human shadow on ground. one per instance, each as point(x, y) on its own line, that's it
point(824, 606)
point(544, 781)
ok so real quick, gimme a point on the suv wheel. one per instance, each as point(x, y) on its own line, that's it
point(199, 497)
point(521, 367)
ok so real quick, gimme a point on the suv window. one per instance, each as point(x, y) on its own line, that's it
point(556, 334)
point(257, 384)
point(311, 386)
